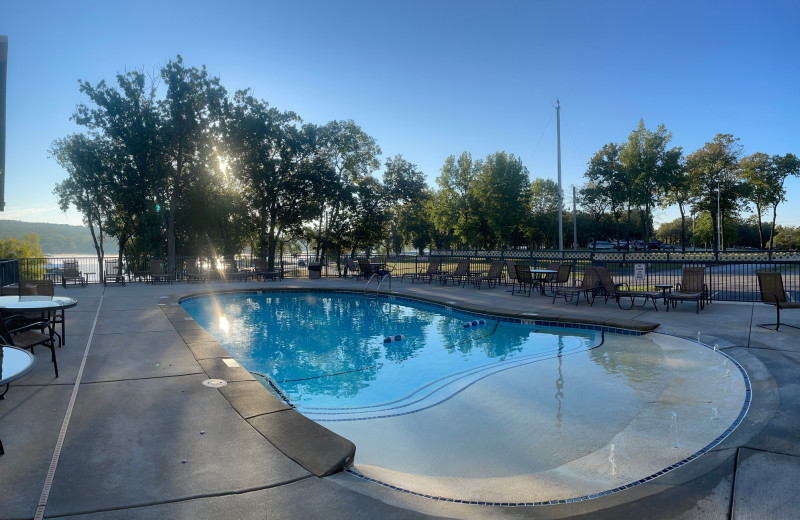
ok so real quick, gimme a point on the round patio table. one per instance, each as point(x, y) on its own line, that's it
point(43, 304)
point(14, 363)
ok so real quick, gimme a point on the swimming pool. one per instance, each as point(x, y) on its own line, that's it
point(478, 408)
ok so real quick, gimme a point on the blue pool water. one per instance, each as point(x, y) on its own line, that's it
point(326, 352)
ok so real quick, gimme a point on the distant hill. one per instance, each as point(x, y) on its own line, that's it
point(55, 238)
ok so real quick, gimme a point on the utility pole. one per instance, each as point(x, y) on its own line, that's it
point(560, 215)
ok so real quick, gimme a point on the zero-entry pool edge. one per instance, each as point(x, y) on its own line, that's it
point(625, 327)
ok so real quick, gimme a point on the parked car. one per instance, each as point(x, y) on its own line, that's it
point(638, 245)
point(601, 245)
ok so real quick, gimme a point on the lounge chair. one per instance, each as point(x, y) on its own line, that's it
point(351, 267)
point(557, 279)
point(691, 288)
point(157, 273)
point(263, 272)
point(112, 273)
point(368, 269)
point(589, 286)
point(512, 273)
point(523, 278)
point(72, 274)
point(25, 336)
point(773, 293)
point(459, 275)
point(232, 273)
point(491, 277)
point(194, 273)
point(620, 291)
point(434, 268)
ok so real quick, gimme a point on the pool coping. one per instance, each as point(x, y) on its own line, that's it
point(309, 444)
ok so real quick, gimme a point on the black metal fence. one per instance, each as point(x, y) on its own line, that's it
point(730, 275)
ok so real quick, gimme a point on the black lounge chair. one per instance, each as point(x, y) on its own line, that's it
point(619, 291)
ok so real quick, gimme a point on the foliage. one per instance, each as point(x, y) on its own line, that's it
point(787, 237)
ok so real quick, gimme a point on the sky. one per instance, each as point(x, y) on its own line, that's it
point(426, 79)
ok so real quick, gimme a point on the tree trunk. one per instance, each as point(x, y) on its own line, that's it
point(772, 228)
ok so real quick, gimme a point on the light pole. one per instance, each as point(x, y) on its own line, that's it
point(719, 219)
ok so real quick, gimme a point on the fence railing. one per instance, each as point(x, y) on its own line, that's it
point(730, 276)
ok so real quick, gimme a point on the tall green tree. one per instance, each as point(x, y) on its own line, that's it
point(265, 150)
point(714, 177)
point(404, 187)
point(190, 115)
point(607, 178)
point(762, 185)
point(455, 210)
point(502, 191)
point(544, 211)
point(649, 168)
point(88, 162)
point(349, 155)
point(785, 166)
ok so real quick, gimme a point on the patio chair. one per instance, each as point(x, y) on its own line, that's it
point(72, 273)
point(25, 336)
point(588, 286)
point(620, 291)
point(523, 279)
point(459, 275)
point(773, 293)
point(560, 278)
point(40, 290)
point(157, 273)
point(491, 277)
point(112, 272)
point(691, 288)
point(434, 269)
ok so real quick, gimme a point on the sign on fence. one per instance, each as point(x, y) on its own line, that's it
point(639, 272)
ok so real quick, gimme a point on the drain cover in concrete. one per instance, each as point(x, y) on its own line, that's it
point(215, 383)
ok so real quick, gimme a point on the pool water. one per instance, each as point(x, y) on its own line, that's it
point(478, 409)
point(366, 358)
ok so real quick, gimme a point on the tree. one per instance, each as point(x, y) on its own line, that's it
point(454, 211)
point(713, 174)
point(190, 114)
point(502, 193)
point(787, 237)
point(678, 192)
point(785, 165)
point(607, 178)
point(544, 211)
point(349, 155)
point(88, 163)
point(415, 224)
point(265, 151)
point(594, 201)
point(404, 187)
point(649, 169)
point(764, 189)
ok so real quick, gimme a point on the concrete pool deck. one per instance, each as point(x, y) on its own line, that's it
point(141, 437)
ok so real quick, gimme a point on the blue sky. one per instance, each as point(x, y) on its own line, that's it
point(426, 79)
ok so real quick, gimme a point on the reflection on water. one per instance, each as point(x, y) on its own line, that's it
point(328, 350)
